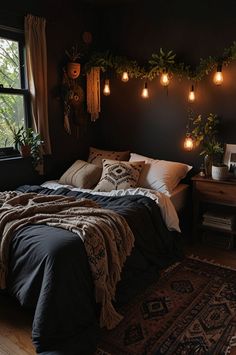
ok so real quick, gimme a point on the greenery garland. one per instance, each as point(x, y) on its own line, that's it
point(159, 63)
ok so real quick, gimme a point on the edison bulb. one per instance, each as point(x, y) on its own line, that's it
point(165, 80)
point(218, 77)
point(188, 143)
point(145, 93)
point(191, 95)
point(125, 76)
point(106, 90)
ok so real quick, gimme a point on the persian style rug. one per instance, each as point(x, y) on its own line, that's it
point(190, 310)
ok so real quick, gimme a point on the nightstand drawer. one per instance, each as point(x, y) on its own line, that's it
point(217, 192)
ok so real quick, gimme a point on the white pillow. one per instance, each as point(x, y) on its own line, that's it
point(82, 175)
point(160, 175)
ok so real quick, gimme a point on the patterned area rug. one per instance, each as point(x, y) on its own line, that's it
point(191, 309)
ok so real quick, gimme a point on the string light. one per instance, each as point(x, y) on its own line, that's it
point(125, 76)
point(106, 90)
point(188, 143)
point(164, 80)
point(145, 93)
point(218, 76)
point(191, 95)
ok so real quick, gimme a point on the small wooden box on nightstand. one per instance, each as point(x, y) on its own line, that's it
point(214, 211)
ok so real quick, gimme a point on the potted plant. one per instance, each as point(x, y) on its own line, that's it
point(28, 142)
point(219, 171)
point(204, 134)
point(73, 67)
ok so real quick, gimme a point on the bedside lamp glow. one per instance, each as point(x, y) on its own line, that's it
point(191, 95)
point(125, 76)
point(165, 80)
point(188, 143)
point(145, 93)
point(106, 90)
point(218, 76)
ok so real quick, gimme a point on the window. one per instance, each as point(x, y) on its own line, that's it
point(13, 92)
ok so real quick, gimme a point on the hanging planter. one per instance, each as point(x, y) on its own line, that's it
point(73, 67)
point(73, 70)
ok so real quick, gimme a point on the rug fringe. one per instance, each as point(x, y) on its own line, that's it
point(210, 261)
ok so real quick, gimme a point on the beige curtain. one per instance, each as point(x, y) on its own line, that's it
point(36, 60)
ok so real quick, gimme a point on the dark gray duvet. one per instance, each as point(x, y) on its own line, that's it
point(49, 272)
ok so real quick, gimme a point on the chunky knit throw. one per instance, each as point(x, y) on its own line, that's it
point(107, 238)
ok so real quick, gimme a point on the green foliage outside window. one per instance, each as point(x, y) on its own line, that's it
point(11, 104)
point(9, 64)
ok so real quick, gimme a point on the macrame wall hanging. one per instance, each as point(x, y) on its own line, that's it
point(93, 93)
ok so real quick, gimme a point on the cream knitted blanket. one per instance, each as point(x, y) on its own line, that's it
point(107, 238)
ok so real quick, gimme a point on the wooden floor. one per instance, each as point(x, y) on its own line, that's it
point(15, 324)
point(15, 329)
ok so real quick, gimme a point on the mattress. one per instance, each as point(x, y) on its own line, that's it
point(179, 196)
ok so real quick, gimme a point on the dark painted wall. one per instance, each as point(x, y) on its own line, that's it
point(156, 127)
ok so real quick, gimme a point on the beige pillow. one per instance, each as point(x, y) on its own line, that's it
point(118, 175)
point(81, 174)
point(136, 157)
point(96, 155)
point(160, 175)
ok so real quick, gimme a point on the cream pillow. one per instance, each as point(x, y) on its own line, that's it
point(81, 174)
point(160, 175)
point(117, 175)
point(96, 155)
point(136, 157)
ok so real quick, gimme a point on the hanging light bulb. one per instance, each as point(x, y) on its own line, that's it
point(191, 95)
point(125, 76)
point(188, 143)
point(165, 80)
point(106, 90)
point(145, 93)
point(218, 76)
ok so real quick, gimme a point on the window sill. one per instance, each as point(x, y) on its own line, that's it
point(6, 158)
point(9, 153)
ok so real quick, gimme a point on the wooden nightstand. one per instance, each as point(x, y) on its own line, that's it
point(214, 211)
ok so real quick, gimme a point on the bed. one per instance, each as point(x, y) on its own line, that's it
point(49, 273)
point(179, 197)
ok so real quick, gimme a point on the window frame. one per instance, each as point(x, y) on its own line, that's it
point(18, 36)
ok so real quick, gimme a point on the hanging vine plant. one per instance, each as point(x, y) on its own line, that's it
point(160, 62)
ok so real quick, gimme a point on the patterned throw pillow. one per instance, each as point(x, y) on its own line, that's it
point(81, 174)
point(117, 175)
point(96, 155)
